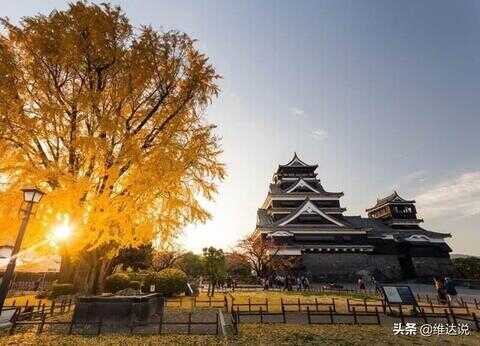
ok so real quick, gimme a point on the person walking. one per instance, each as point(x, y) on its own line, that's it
point(306, 283)
point(441, 293)
point(451, 291)
point(376, 285)
point(361, 284)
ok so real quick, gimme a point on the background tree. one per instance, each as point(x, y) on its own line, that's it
point(469, 267)
point(238, 267)
point(258, 253)
point(164, 259)
point(109, 121)
point(135, 257)
point(215, 267)
point(191, 264)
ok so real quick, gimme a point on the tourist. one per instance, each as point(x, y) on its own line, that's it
point(376, 285)
point(299, 283)
point(361, 284)
point(441, 293)
point(451, 291)
point(265, 284)
point(306, 283)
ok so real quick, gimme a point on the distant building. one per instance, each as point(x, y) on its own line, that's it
point(5, 251)
point(302, 219)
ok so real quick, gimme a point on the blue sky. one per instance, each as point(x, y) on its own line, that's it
point(382, 95)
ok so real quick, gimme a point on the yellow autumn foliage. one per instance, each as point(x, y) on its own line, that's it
point(109, 121)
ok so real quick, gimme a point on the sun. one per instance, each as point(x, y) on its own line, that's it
point(62, 232)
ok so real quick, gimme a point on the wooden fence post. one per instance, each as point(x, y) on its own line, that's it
point(189, 327)
point(261, 315)
point(160, 322)
point(355, 320)
point(377, 315)
point(283, 311)
point(316, 304)
point(52, 308)
point(446, 315)
point(334, 307)
point(70, 328)
point(217, 326)
point(14, 322)
point(402, 318)
point(100, 325)
point(308, 315)
point(454, 318)
point(40, 326)
point(424, 317)
point(475, 320)
point(331, 314)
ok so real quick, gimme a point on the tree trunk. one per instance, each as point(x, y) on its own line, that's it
point(82, 276)
point(97, 269)
point(105, 270)
point(67, 269)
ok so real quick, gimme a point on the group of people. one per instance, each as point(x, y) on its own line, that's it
point(446, 290)
point(287, 282)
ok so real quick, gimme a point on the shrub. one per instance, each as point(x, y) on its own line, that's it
point(116, 282)
point(171, 282)
point(149, 279)
point(168, 282)
point(136, 285)
point(61, 290)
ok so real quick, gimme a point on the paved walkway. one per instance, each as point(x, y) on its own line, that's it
point(422, 289)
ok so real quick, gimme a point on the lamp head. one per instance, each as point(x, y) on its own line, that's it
point(32, 194)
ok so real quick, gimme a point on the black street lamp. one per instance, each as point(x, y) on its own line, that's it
point(31, 196)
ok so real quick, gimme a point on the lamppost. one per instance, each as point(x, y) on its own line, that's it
point(31, 196)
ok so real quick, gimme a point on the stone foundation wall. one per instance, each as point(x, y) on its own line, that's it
point(434, 266)
point(349, 266)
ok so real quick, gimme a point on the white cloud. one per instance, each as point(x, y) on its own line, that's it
point(297, 111)
point(457, 197)
point(414, 176)
point(320, 134)
point(410, 179)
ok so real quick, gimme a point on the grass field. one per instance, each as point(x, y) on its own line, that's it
point(22, 300)
point(255, 334)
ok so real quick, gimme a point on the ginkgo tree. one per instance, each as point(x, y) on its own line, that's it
point(109, 120)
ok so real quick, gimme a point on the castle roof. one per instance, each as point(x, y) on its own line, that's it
point(390, 199)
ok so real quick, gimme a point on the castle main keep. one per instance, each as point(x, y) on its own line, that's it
point(302, 219)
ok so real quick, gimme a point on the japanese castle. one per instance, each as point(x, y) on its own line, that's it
point(300, 218)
